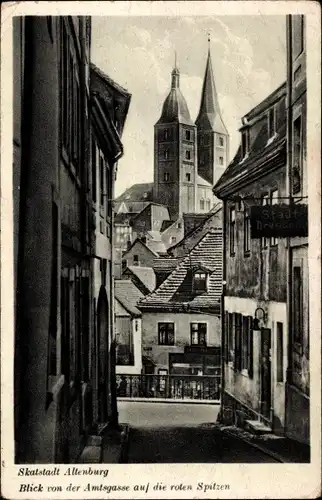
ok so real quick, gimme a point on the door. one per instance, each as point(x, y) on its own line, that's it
point(266, 372)
point(103, 351)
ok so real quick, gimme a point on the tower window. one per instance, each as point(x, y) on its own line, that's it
point(166, 176)
point(208, 204)
point(221, 160)
point(188, 155)
point(188, 135)
point(202, 204)
point(166, 154)
point(221, 141)
point(188, 177)
point(166, 134)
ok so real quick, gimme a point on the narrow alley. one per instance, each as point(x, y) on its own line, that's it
point(188, 434)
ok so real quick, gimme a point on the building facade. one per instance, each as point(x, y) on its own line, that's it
point(181, 326)
point(255, 326)
point(67, 138)
point(298, 372)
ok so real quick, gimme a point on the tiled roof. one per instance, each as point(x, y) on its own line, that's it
point(173, 292)
point(137, 192)
point(128, 295)
point(145, 275)
point(193, 236)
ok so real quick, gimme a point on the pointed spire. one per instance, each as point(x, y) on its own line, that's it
point(209, 106)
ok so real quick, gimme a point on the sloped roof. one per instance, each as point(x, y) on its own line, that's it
point(128, 295)
point(166, 224)
point(137, 193)
point(165, 264)
point(156, 246)
point(107, 79)
point(146, 275)
point(207, 254)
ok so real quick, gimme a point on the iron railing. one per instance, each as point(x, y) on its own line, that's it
point(169, 386)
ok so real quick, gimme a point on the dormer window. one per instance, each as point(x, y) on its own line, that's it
point(271, 122)
point(245, 143)
point(200, 282)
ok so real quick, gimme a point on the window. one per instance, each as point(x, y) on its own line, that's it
point(208, 204)
point(94, 170)
point(265, 201)
point(245, 143)
point(297, 35)
point(166, 154)
point(166, 333)
point(179, 225)
point(166, 134)
point(202, 204)
point(136, 325)
point(200, 282)
point(250, 351)
point(221, 160)
point(188, 135)
point(246, 230)
point(188, 177)
point(232, 225)
point(124, 265)
point(230, 337)
point(221, 141)
point(279, 353)
point(166, 176)
point(297, 156)
point(274, 201)
point(271, 122)
point(173, 240)
point(198, 334)
point(297, 306)
point(188, 155)
point(135, 260)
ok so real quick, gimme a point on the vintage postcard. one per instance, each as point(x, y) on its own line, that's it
point(160, 250)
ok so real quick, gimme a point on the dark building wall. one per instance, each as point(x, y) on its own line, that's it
point(212, 155)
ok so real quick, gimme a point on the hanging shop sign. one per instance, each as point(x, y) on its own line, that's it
point(279, 221)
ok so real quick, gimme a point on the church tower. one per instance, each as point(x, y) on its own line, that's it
point(175, 153)
point(212, 135)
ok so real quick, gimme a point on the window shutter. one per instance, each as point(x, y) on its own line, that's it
point(250, 348)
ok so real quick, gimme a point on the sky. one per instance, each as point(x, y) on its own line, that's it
point(248, 57)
